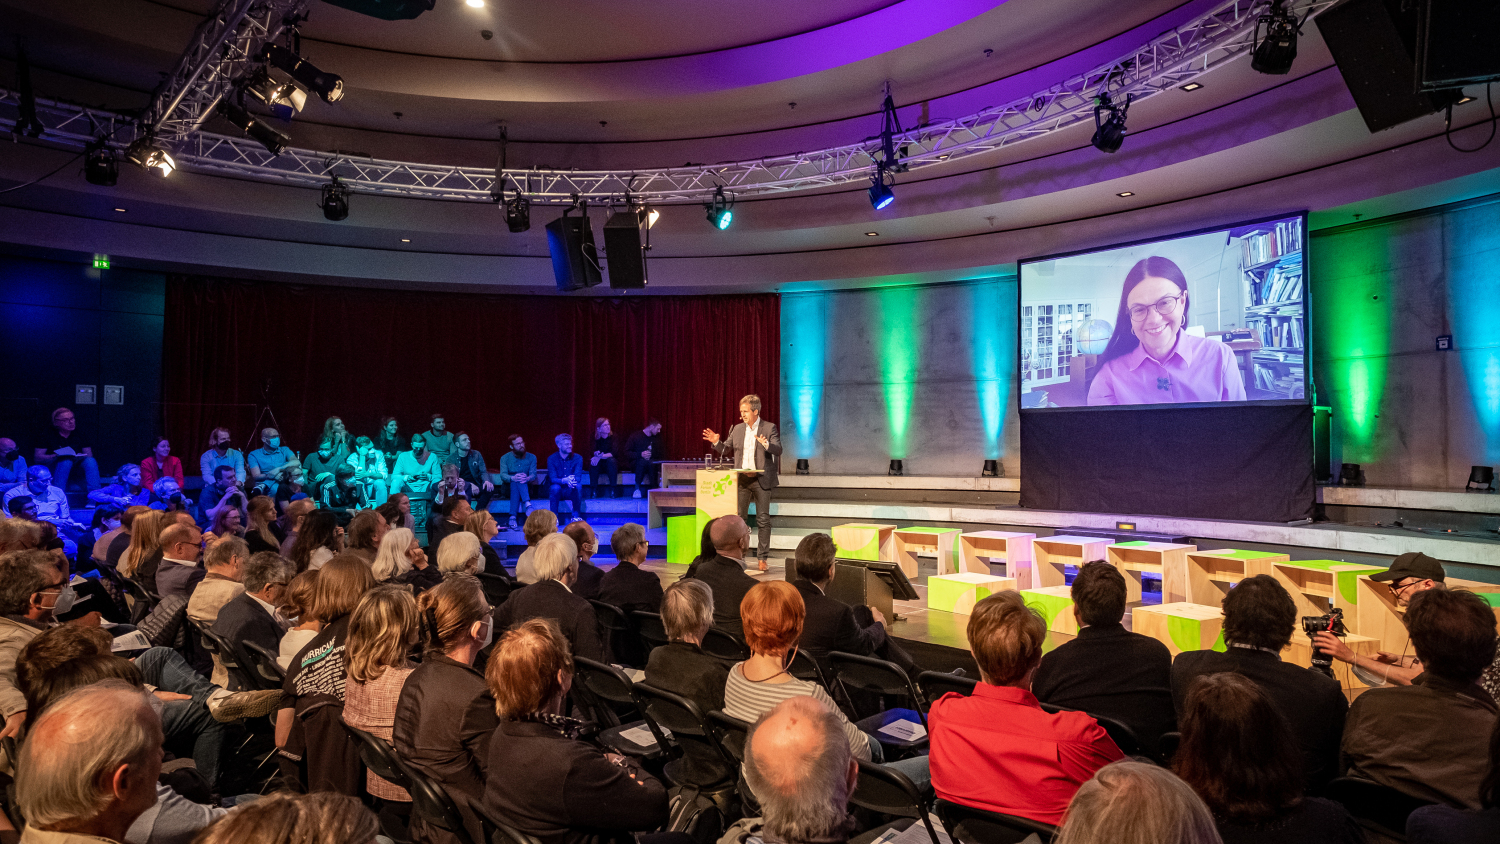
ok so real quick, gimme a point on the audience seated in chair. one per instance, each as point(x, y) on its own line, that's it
point(1439, 824)
point(1238, 754)
point(416, 476)
point(344, 493)
point(519, 470)
point(540, 524)
point(111, 529)
point(565, 478)
point(161, 464)
point(589, 575)
point(1259, 617)
point(302, 624)
point(319, 539)
point(49, 502)
point(31, 587)
point(643, 455)
point(221, 454)
point(452, 513)
point(833, 625)
point(222, 582)
point(997, 750)
point(179, 574)
point(445, 716)
point(460, 552)
point(1427, 739)
point(319, 466)
point(12, 466)
point(602, 464)
point(254, 615)
point(626, 586)
point(125, 490)
point(167, 494)
point(681, 667)
point(1136, 803)
point(1107, 670)
point(371, 472)
point(484, 527)
point(66, 449)
point(270, 464)
point(391, 559)
point(219, 494)
point(387, 441)
point(725, 573)
point(285, 818)
point(438, 438)
point(291, 523)
point(799, 767)
point(145, 539)
point(556, 563)
point(382, 631)
point(363, 535)
point(570, 791)
point(262, 532)
point(472, 471)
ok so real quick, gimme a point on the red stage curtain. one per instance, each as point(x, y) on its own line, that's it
point(492, 364)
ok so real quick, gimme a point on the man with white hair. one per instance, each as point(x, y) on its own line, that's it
point(225, 565)
point(89, 766)
point(556, 562)
point(799, 766)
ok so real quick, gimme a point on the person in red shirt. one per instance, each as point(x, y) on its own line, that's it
point(997, 750)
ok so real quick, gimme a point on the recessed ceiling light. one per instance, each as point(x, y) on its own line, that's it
point(406, 240)
point(1192, 86)
point(1126, 193)
point(475, 4)
point(872, 234)
point(943, 157)
point(121, 210)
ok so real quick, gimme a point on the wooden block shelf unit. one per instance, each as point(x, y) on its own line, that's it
point(1050, 554)
point(865, 542)
point(1055, 603)
point(958, 593)
point(1299, 652)
point(1210, 574)
point(1319, 585)
point(1014, 549)
point(1167, 560)
point(938, 540)
point(1181, 626)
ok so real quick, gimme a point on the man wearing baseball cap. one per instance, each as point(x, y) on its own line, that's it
point(1409, 574)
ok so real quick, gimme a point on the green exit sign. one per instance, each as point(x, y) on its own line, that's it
point(101, 262)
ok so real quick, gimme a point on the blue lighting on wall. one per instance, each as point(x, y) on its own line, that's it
point(1474, 307)
point(804, 333)
point(992, 308)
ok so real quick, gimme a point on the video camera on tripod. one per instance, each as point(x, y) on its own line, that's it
point(1312, 625)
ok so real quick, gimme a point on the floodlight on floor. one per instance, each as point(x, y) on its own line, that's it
point(802, 467)
point(1351, 474)
point(1481, 479)
point(991, 469)
point(897, 468)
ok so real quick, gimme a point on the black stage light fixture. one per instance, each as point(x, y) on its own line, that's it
point(1109, 133)
point(1275, 50)
point(335, 200)
point(897, 468)
point(282, 97)
point(153, 157)
point(1350, 474)
point(1481, 479)
point(274, 142)
point(720, 210)
point(881, 194)
point(802, 467)
point(991, 469)
point(329, 86)
point(518, 213)
point(100, 164)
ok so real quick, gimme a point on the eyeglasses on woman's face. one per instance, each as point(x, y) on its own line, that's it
point(1166, 306)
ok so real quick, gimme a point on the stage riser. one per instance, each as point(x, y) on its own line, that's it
point(1411, 517)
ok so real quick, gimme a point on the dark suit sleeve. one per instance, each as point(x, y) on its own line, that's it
point(586, 641)
point(850, 638)
point(774, 439)
point(599, 794)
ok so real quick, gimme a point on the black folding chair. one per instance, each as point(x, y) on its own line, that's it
point(1124, 737)
point(732, 733)
point(887, 791)
point(1167, 746)
point(620, 638)
point(649, 626)
point(682, 718)
point(497, 831)
point(606, 689)
point(1376, 808)
point(935, 684)
point(804, 667)
point(377, 754)
point(887, 680)
point(976, 826)
point(140, 600)
point(432, 804)
point(496, 588)
point(722, 645)
point(221, 650)
point(265, 664)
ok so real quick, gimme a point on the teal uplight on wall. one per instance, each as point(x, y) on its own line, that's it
point(804, 337)
point(1352, 315)
point(994, 351)
point(1474, 304)
point(898, 319)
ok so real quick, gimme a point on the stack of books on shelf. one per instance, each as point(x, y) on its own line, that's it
point(1286, 334)
point(1282, 284)
point(1284, 239)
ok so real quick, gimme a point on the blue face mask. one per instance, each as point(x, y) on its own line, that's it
point(275, 442)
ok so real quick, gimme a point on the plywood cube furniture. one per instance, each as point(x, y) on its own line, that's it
point(1377, 616)
point(1210, 574)
point(865, 542)
point(1300, 653)
point(1013, 548)
point(941, 540)
point(1181, 626)
point(958, 593)
point(1317, 585)
point(1049, 554)
point(1167, 560)
point(1055, 603)
point(683, 539)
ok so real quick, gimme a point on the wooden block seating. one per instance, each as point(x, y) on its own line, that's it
point(1317, 585)
point(684, 540)
point(941, 540)
point(1013, 548)
point(1055, 603)
point(1377, 616)
point(1210, 574)
point(958, 593)
point(1167, 560)
point(1049, 554)
point(1300, 653)
point(1181, 626)
point(665, 501)
point(865, 542)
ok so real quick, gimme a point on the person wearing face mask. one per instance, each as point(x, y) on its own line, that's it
point(270, 464)
point(32, 592)
point(417, 475)
point(1150, 358)
point(518, 468)
point(552, 596)
point(446, 716)
point(161, 464)
point(12, 466)
point(220, 454)
point(589, 575)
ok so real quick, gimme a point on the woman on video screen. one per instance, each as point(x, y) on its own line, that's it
point(1150, 359)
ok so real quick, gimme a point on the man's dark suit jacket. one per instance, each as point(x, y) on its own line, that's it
point(1313, 703)
point(727, 578)
point(589, 578)
point(766, 458)
point(441, 529)
point(1112, 672)
point(550, 599)
point(174, 578)
point(830, 626)
point(245, 620)
point(627, 587)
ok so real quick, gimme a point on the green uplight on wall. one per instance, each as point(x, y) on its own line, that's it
point(1352, 319)
point(804, 336)
point(899, 323)
point(994, 350)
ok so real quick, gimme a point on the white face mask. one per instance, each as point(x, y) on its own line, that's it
point(489, 633)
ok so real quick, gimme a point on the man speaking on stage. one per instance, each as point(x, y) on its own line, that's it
point(757, 449)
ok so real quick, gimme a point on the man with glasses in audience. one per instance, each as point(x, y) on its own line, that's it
point(1409, 575)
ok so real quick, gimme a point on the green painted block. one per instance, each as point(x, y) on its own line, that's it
point(1237, 554)
point(682, 539)
point(1187, 634)
point(1491, 598)
point(1345, 575)
point(1055, 604)
point(1134, 543)
point(958, 593)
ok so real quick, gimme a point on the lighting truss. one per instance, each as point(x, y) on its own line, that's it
point(1168, 61)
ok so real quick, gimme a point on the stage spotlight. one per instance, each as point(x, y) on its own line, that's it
point(147, 153)
point(652, 215)
point(991, 469)
point(720, 210)
point(335, 201)
point(329, 86)
point(1350, 474)
point(284, 99)
point(897, 468)
point(100, 165)
point(274, 142)
point(802, 467)
point(1275, 51)
point(518, 213)
point(1481, 479)
point(881, 195)
point(1109, 133)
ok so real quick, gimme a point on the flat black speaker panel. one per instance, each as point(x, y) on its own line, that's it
point(622, 249)
point(1373, 42)
point(575, 262)
point(1457, 44)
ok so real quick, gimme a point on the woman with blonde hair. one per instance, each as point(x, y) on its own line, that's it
point(263, 533)
point(539, 524)
point(459, 552)
point(229, 521)
point(297, 606)
point(145, 539)
point(391, 560)
point(382, 631)
point(483, 525)
point(1136, 803)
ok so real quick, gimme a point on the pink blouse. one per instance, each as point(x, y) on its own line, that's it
point(1198, 369)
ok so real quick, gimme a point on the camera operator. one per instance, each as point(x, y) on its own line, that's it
point(1410, 574)
point(220, 494)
